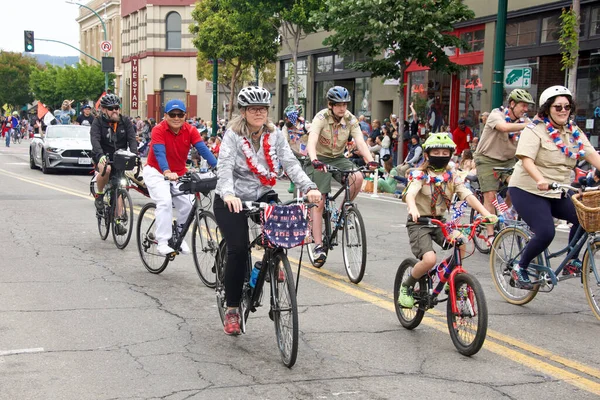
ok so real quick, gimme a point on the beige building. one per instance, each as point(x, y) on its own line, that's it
point(159, 59)
point(532, 61)
point(92, 33)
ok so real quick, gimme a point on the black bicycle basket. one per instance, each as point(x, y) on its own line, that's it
point(124, 161)
point(200, 183)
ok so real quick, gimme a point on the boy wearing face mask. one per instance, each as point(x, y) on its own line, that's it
point(428, 194)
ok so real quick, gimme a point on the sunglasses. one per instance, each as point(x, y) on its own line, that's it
point(175, 115)
point(113, 108)
point(559, 107)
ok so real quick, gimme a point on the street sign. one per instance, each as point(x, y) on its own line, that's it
point(106, 46)
point(517, 77)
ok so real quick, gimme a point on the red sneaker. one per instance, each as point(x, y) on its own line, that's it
point(232, 322)
point(281, 276)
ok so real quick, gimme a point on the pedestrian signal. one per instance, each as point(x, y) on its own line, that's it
point(29, 45)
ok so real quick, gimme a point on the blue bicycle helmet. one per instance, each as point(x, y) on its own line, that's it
point(338, 94)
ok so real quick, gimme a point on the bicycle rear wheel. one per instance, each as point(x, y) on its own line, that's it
point(410, 318)
point(205, 242)
point(147, 244)
point(220, 262)
point(468, 327)
point(103, 223)
point(122, 220)
point(284, 308)
point(480, 238)
point(354, 245)
point(508, 244)
point(591, 278)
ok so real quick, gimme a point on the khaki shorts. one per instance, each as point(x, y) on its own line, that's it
point(485, 171)
point(323, 179)
point(421, 238)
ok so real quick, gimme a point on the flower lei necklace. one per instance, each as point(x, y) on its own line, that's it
point(436, 180)
point(559, 142)
point(267, 178)
point(512, 135)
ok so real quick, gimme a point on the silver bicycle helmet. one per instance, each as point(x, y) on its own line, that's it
point(338, 94)
point(110, 100)
point(254, 96)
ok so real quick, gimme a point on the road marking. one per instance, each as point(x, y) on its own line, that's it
point(16, 163)
point(512, 348)
point(21, 351)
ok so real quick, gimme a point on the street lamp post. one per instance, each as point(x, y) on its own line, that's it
point(103, 28)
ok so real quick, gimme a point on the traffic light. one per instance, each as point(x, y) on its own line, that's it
point(29, 48)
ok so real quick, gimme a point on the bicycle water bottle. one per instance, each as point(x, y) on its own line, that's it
point(204, 166)
point(254, 273)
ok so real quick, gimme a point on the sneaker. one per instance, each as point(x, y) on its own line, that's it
point(164, 249)
point(320, 255)
point(573, 267)
point(99, 203)
point(185, 249)
point(232, 323)
point(406, 300)
point(281, 276)
point(120, 228)
point(521, 278)
point(292, 187)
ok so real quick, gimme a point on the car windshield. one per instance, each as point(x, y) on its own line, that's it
point(68, 131)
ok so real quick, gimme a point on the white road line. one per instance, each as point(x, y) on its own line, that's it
point(21, 351)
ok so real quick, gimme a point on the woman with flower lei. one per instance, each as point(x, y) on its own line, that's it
point(249, 153)
point(428, 194)
point(547, 151)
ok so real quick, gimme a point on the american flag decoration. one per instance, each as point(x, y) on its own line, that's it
point(458, 210)
point(293, 116)
point(500, 205)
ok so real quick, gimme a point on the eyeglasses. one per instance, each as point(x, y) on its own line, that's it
point(560, 107)
point(176, 115)
point(113, 108)
point(257, 110)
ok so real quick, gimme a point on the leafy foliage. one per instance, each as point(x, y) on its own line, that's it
point(52, 84)
point(14, 75)
point(569, 38)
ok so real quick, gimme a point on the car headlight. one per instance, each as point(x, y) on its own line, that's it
point(54, 150)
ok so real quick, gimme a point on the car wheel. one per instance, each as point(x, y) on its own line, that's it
point(45, 168)
point(31, 160)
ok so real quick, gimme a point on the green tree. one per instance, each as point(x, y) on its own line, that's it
point(14, 75)
point(569, 43)
point(241, 36)
point(394, 34)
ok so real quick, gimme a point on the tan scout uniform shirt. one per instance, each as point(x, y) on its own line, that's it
point(333, 137)
point(495, 144)
point(296, 139)
point(422, 193)
point(553, 164)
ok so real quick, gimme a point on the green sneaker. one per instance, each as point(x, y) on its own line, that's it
point(406, 300)
point(292, 187)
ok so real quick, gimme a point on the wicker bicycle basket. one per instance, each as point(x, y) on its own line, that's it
point(587, 206)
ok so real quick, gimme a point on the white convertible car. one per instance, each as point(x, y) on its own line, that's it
point(62, 147)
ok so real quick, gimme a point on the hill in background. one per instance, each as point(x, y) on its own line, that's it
point(54, 60)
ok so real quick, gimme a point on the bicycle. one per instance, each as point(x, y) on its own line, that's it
point(205, 232)
point(510, 242)
point(467, 313)
point(349, 219)
point(275, 270)
point(118, 206)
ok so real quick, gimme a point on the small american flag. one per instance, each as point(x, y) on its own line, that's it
point(501, 207)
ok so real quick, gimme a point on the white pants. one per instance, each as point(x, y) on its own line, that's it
point(161, 192)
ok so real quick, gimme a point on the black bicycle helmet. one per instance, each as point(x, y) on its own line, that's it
point(338, 94)
point(254, 96)
point(110, 100)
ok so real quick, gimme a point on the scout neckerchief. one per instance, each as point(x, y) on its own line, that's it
point(437, 189)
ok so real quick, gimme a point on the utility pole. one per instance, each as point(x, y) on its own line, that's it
point(215, 95)
point(498, 75)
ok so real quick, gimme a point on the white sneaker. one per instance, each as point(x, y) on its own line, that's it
point(164, 249)
point(185, 249)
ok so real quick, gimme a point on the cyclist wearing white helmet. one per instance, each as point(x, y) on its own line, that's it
point(249, 153)
point(548, 151)
point(498, 144)
point(329, 132)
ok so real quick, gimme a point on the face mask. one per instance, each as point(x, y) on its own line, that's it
point(438, 162)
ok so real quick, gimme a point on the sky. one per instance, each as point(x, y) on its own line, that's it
point(49, 19)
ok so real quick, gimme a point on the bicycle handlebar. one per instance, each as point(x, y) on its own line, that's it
point(446, 225)
point(563, 188)
point(260, 205)
point(331, 168)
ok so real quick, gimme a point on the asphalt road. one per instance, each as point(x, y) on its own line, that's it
point(80, 319)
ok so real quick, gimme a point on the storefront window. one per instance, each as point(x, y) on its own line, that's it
point(550, 29)
point(475, 40)
point(339, 63)
point(430, 95)
point(358, 88)
point(595, 22)
point(363, 97)
point(301, 82)
point(324, 64)
point(521, 33)
point(469, 104)
point(588, 96)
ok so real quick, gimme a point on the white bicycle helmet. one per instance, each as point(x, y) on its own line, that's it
point(254, 96)
point(553, 91)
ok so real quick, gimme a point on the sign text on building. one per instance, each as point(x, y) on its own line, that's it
point(134, 83)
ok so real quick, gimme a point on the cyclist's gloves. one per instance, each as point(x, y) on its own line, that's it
point(318, 165)
point(373, 164)
point(102, 159)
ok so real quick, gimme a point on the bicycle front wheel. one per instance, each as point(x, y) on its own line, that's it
point(284, 308)
point(506, 250)
point(122, 220)
point(103, 223)
point(410, 318)
point(354, 245)
point(468, 327)
point(220, 262)
point(591, 278)
point(205, 243)
point(147, 244)
point(480, 237)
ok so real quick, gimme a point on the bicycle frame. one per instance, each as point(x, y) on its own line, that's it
point(177, 237)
